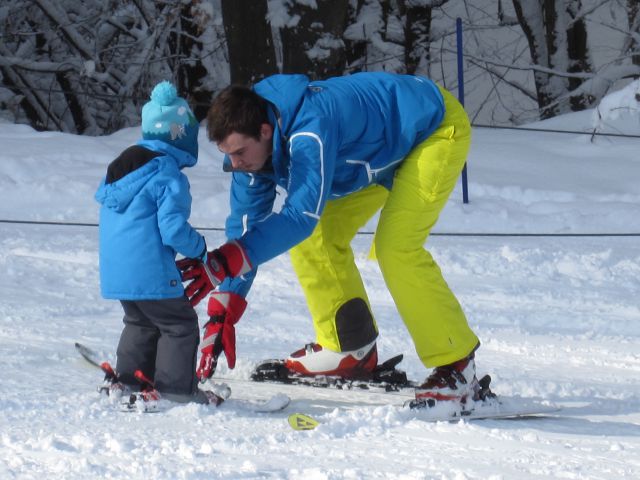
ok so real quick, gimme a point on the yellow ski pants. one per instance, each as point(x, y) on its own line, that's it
point(325, 266)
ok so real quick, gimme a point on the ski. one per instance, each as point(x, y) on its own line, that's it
point(385, 377)
point(137, 402)
point(485, 405)
point(276, 403)
point(88, 354)
point(491, 408)
point(147, 400)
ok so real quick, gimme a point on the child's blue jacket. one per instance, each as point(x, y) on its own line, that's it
point(143, 223)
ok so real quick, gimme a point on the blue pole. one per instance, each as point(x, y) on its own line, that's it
point(465, 188)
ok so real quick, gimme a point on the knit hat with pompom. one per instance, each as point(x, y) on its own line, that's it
point(167, 117)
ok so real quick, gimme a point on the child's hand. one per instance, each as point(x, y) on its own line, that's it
point(230, 260)
point(198, 286)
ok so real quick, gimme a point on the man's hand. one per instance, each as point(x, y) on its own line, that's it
point(230, 260)
point(224, 310)
point(211, 347)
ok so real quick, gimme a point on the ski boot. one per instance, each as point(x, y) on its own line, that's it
point(313, 360)
point(215, 393)
point(111, 387)
point(146, 400)
point(455, 382)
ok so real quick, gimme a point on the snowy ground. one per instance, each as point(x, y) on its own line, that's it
point(559, 319)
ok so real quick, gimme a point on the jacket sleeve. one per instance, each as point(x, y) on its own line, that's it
point(251, 200)
point(174, 209)
point(312, 153)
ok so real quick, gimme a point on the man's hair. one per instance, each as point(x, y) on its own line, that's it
point(236, 109)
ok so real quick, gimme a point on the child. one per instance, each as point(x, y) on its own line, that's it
point(145, 206)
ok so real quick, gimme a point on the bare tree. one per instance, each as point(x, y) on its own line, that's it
point(312, 38)
point(557, 38)
point(195, 54)
point(376, 33)
point(87, 66)
point(511, 78)
point(632, 41)
point(417, 33)
point(249, 40)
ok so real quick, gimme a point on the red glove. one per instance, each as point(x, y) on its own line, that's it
point(192, 270)
point(225, 309)
point(230, 260)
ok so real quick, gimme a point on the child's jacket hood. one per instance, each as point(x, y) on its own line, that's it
point(119, 194)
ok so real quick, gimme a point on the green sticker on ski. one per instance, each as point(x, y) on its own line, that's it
point(300, 421)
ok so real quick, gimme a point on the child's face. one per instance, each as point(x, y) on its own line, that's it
point(246, 153)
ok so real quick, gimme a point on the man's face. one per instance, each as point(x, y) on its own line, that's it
point(245, 152)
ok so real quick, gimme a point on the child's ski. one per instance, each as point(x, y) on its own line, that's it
point(136, 402)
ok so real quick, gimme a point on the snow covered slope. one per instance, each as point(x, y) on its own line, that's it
point(559, 320)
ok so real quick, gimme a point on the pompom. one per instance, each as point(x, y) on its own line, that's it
point(164, 94)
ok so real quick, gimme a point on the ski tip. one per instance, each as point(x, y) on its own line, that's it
point(88, 354)
point(82, 349)
point(300, 422)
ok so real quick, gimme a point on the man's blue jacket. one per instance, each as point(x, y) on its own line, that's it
point(331, 138)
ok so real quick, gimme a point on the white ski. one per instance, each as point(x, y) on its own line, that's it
point(275, 403)
point(509, 408)
point(496, 407)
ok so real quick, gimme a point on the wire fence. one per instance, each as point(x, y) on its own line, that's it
point(434, 234)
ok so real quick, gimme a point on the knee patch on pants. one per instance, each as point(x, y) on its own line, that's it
point(354, 325)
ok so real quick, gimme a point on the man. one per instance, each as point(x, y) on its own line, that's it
point(341, 149)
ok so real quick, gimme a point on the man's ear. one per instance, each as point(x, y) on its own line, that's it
point(266, 131)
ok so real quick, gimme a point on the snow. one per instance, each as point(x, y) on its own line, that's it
point(558, 316)
point(625, 103)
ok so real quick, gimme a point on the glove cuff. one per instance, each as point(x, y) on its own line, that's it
point(237, 260)
point(203, 255)
point(227, 304)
